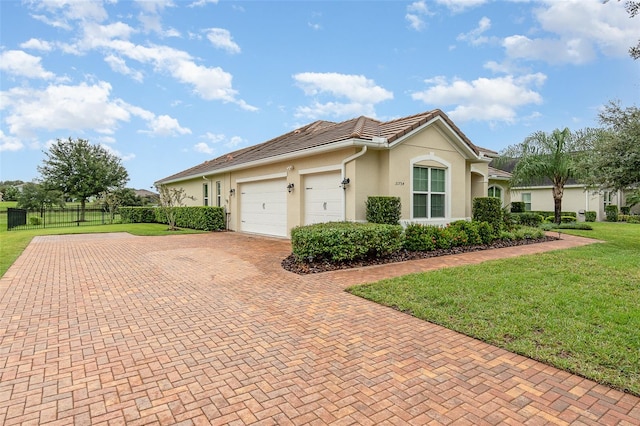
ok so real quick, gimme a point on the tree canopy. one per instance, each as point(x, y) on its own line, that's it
point(552, 157)
point(81, 170)
point(35, 196)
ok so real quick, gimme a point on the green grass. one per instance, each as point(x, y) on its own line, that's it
point(13, 243)
point(576, 309)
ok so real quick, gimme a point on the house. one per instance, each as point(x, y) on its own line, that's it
point(325, 171)
point(576, 198)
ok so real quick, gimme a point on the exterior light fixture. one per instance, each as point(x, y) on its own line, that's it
point(290, 187)
point(232, 192)
point(345, 182)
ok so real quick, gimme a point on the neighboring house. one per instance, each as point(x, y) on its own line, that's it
point(325, 171)
point(576, 197)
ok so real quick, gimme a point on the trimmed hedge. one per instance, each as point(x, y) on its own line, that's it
point(418, 237)
point(611, 213)
point(547, 213)
point(488, 209)
point(345, 241)
point(384, 210)
point(590, 216)
point(517, 207)
point(529, 219)
point(200, 217)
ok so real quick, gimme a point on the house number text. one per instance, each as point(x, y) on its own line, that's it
point(399, 183)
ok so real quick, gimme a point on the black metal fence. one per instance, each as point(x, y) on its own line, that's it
point(18, 219)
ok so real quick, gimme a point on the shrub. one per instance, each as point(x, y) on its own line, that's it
point(517, 207)
point(137, 214)
point(611, 213)
point(529, 219)
point(197, 217)
point(507, 236)
point(625, 210)
point(451, 236)
point(345, 241)
point(486, 232)
point(488, 209)
point(385, 210)
point(567, 219)
point(35, 221)
point(470, 229)
point(419, 237)
point(633, 219)
point(590, 216)
point(528, 233)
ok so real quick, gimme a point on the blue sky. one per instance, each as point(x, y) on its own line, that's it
point(166, 85)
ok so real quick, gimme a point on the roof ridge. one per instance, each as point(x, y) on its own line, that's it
point(358, 127)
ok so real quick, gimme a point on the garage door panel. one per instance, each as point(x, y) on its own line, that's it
point(263, 207)
point(323, 198)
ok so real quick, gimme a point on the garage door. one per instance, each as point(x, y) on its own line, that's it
point(263, 207)
point(322, 198)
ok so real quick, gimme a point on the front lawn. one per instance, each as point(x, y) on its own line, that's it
point(576, 309)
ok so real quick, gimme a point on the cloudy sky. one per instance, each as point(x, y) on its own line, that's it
point(166, 85)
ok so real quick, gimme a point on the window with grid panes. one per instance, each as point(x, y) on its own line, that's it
point(429, 192)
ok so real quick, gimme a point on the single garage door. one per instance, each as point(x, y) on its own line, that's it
point(322, 198)
point(263, 207)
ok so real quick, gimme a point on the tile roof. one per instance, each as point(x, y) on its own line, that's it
point(320, 133)
point(497, 173)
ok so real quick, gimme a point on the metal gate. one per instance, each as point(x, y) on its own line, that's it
point(16, 217)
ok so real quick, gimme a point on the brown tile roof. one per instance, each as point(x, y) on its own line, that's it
point(320, 133)
point(497, 173)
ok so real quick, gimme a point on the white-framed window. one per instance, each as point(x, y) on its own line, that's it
point(526, 199)
point(429, 192)
point(495, 191)
point(218, 193)
point(205, 194)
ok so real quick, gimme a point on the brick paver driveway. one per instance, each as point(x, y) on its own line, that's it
point(208, 329)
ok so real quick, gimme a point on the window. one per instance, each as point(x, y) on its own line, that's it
point(526, 199)
point(429, 193)
point(218, 194)
point(205, 193)
point(495, 191)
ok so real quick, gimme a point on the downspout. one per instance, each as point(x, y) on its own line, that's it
point(344, 175)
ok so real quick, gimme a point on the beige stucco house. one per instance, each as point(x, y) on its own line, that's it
point(325, 171)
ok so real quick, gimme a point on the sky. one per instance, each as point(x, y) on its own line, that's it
point(166, 85)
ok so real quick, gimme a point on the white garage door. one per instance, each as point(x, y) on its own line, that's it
point(322, 198)
point(263, 207)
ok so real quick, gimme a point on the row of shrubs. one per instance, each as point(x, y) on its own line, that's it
point(199, 217)
point(348, 241)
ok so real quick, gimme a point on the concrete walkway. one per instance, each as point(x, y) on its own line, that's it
point(208, 329)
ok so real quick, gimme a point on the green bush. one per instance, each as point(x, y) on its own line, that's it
point(35, 221)
point(567, 219)
point(625, 210)
point(419, 237)
point(345, 241)
point(611, 213)
point(486, 233)
point(470, 229)
point(590, 216)
point(488, 209)
point(384, 210)
point(198, 217)
point(517, 207)
point(137, 214)
point(529, 219)
point(547, 213)
point(633, 219)
point(528, 233)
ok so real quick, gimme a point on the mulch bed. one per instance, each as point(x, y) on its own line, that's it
point(303, 268)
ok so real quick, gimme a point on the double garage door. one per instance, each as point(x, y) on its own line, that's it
point(263, 204)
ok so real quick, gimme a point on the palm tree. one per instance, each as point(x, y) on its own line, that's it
point(544, 157)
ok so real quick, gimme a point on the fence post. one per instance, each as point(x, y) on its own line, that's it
point(78, 215)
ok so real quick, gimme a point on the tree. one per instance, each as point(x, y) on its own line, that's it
point(119, 197)
point(553, 157)
point(614, 160)
point(633, 8)
point(81, 170)
point(170, 198)
point(36, 197)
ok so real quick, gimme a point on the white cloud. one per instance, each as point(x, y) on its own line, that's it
point(200, 3)
point(163, 125)
point(36, 44)
point(213, 137)
point(10, 143)
point(460, 5)
point(124, 157)
point(221, 38)
point(484, 99)
point(22, 64)
point(77, 108)
point(475, 36)
point(150, 16)
point(119, 65)
point(235, 141)
point(203, 147)
point(578, 29)
point(416, 12)
point(360, 92)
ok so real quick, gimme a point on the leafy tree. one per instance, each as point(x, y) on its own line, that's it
point(614, 160)
point(119, 197)
point(547, 157)
point(36, 197)
point(9, 193)
point(81, 170)
point(633, 8)
point(170, 198)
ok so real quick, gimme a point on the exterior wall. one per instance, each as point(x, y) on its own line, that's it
point(574, 199)
point(506, 193)
point(435, 149)
point(368, 181)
